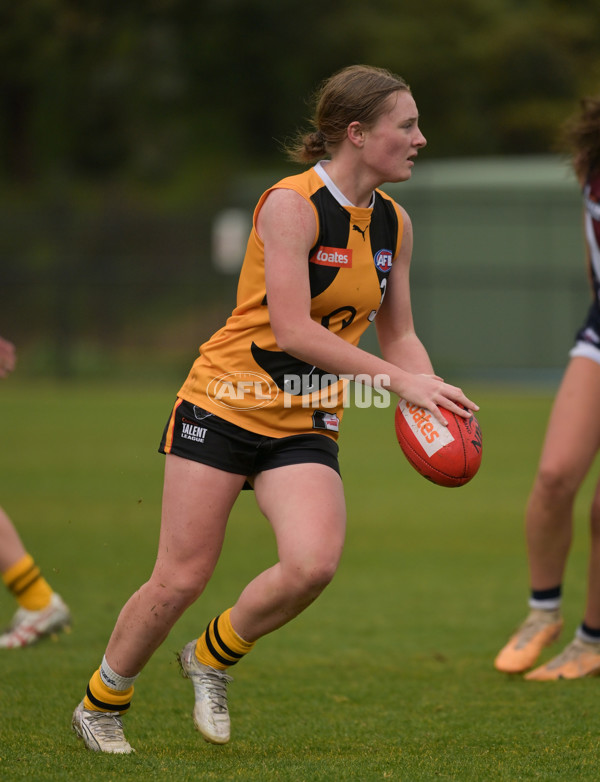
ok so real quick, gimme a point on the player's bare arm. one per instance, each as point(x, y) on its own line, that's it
point(286, 225)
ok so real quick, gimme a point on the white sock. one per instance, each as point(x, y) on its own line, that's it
point(585, 637)
point(114, 680)
point(553, 604)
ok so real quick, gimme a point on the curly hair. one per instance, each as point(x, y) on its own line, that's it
point(580, 138)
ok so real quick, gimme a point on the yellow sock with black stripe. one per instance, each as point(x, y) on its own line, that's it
point(220, 646)
point(25, 581)
point(101, 696)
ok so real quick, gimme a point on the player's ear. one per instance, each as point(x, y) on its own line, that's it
point(356, 134)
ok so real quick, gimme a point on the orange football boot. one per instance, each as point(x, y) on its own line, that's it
point(578, 659)
point(540, 629)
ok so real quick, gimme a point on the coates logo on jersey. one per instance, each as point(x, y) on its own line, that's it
point(333, 256)
point(383, 260)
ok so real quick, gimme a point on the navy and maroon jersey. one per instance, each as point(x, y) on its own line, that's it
point(241, 375)
point(587, 339)
point(591, 200)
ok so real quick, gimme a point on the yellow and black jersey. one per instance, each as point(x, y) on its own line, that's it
point(241, 375)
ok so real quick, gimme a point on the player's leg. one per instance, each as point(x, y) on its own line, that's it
point(592, 610)
point(306, 508)
point(11, 545)
point(41, 611)
point(582, 656)
point(571, 443)
point(197, 500)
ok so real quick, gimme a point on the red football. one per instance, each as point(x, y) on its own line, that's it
point(446, 455)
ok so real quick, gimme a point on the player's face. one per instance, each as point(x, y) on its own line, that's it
point(394, 141)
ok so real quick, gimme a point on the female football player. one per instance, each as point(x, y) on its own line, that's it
point(328, 253)
point(571, 444)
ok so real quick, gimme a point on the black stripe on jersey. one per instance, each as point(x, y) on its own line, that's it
point(278, 364)
point(334, 223)
point(384, 229)
point(106, 706)
point(384, 226)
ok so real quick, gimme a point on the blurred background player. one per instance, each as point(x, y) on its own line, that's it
point(325, 247)
point(571, 444)
point(41, 611)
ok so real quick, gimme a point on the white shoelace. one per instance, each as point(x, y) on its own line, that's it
point(105, 725)
point(215, 684)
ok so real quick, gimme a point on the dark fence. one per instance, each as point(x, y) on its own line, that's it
point(114, 285)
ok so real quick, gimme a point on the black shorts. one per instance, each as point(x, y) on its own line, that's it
point(194, 433)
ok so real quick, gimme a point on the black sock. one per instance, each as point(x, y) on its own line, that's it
point(546, 599)
point(589, 633)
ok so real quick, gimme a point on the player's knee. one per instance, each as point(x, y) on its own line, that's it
point(323, 575)
point(180, 589)
point(555, 485)
point(312, 577)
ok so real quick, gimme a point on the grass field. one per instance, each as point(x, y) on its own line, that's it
point(388, 676)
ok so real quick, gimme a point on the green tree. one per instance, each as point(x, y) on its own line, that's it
point(168, 89)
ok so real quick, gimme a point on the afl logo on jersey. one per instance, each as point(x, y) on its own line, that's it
point(383, 260)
